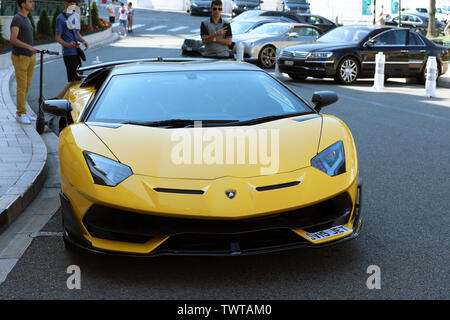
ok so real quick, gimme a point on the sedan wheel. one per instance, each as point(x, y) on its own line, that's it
point(347, 71)
point(267, 57)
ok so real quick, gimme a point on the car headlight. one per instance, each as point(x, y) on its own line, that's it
point(105, 171)
point(320, 55)
point(331, 160)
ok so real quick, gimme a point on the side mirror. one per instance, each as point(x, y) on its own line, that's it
point(323, 98)
point(60, 108)
point(370, 43)
point(292, 35)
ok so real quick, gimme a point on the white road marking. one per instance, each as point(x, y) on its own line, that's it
point(177, 29)
point(156, 28)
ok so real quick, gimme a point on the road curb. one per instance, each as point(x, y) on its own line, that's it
point(19, 196)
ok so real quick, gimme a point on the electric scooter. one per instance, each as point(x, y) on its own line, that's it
point(40, 119)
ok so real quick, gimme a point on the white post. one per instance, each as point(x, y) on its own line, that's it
point(380, 59)
point(430, 82)
point(278, 74)
point(96, 61)
point(239, 56)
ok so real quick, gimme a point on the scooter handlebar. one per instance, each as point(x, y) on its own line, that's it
point(49, 52)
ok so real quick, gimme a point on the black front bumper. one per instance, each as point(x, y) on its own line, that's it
point(308, 68)
point(194, 237)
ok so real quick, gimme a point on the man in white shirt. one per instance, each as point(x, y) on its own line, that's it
point(123, 19)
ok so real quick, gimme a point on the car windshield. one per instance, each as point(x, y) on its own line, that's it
point(345, 34)
point(194, 95)
point(246, 14)
point(238, 27)
point(271, 28)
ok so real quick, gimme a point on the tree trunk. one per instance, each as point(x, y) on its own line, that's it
point(432, 20)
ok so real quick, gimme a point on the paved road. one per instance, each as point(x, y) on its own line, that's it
point(403, 142)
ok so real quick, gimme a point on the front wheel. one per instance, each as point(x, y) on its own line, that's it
point(267, 57)
point(347, 71)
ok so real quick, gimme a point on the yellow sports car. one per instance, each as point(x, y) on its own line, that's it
point(201, 157)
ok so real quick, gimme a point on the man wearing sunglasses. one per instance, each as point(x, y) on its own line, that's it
point(216, 33)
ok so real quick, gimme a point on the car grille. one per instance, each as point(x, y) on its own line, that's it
point(291, 55)
point(114, 224)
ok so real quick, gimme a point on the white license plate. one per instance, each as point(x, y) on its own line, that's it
point(188, 49)
point(289, 63)
point(323, 234)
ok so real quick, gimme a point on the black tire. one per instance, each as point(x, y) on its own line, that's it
point(297, 77)
point(267, 57)
point(347, 71)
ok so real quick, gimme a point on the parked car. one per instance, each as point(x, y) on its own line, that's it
point(414, 21)
point(260, 45)
point(348, 53)
point(200, 7)
point(323, 23)
point(240, 6)
point(193, 45)
point(124, 190)
point(265, 13)
point(293, 6)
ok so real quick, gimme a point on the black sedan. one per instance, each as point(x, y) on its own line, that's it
point(240, 6)
point(200, 7)
point(348, 53)
point(323, 23)
point(267, 14)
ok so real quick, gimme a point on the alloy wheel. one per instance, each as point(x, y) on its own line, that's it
point(348, 71)
point(267, 57)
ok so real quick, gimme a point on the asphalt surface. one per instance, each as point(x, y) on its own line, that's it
point(403, 143)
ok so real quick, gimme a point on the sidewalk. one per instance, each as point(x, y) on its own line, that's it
point(23, 153)
point(444, 80)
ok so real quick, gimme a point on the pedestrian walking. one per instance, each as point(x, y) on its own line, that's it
point(130, 16)
point(380, 19)
point(123, 19)
point(447, 26)
point(67, 33)
point(112, 13)
point(216, 33)
point(23, 57)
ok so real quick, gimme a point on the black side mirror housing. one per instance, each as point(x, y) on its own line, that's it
point(60, 108)
point(323, 98)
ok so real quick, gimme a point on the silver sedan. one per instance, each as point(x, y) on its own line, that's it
point(260, 44)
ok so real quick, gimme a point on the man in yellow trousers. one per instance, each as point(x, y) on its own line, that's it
point(23, 57)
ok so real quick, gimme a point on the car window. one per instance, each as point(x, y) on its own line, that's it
point(414, 19)
point(150, 97)
point(313, 20)
point(415, 40)
point(345, 34)
point(271, 28)
point(302, 31)
point(391, 38)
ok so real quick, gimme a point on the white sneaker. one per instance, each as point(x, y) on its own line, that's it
point(23, 119)
point(32, 118)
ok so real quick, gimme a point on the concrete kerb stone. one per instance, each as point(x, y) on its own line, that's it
point(34, 173)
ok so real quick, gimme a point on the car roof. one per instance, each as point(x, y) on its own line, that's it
point(187, 65)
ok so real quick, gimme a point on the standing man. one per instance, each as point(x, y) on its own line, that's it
point(23, 57)
point(67, 33)
point(216, 33)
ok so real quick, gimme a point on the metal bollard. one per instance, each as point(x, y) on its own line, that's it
point(430, 82)
point(380, 59)
point(239, 56)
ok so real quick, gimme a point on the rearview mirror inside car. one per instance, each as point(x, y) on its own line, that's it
point(323, 98)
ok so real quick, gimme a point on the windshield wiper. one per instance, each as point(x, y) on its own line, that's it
point(177, 123)
point(266, 119)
